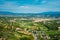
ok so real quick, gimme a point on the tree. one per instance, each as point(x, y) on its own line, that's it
point(24, 38)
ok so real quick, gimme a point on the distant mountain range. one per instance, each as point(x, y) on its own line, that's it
point(44, 14)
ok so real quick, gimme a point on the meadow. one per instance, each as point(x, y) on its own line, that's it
point(16, 28)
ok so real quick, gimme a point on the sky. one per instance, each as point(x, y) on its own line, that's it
point(30, 6)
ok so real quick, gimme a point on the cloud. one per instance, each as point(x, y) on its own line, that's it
point(44, 5)
point(8, 5)
point(25, 7)
point(35, 9)
point(44, 1)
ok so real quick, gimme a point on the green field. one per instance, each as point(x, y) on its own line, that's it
point(15, 28)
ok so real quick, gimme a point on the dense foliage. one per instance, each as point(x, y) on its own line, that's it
point(14, 28)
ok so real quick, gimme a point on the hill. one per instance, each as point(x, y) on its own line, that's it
point(44, 14)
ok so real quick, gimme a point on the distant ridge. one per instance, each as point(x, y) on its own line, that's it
point(6, 13)
point(45, 14)
point(10, 13)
